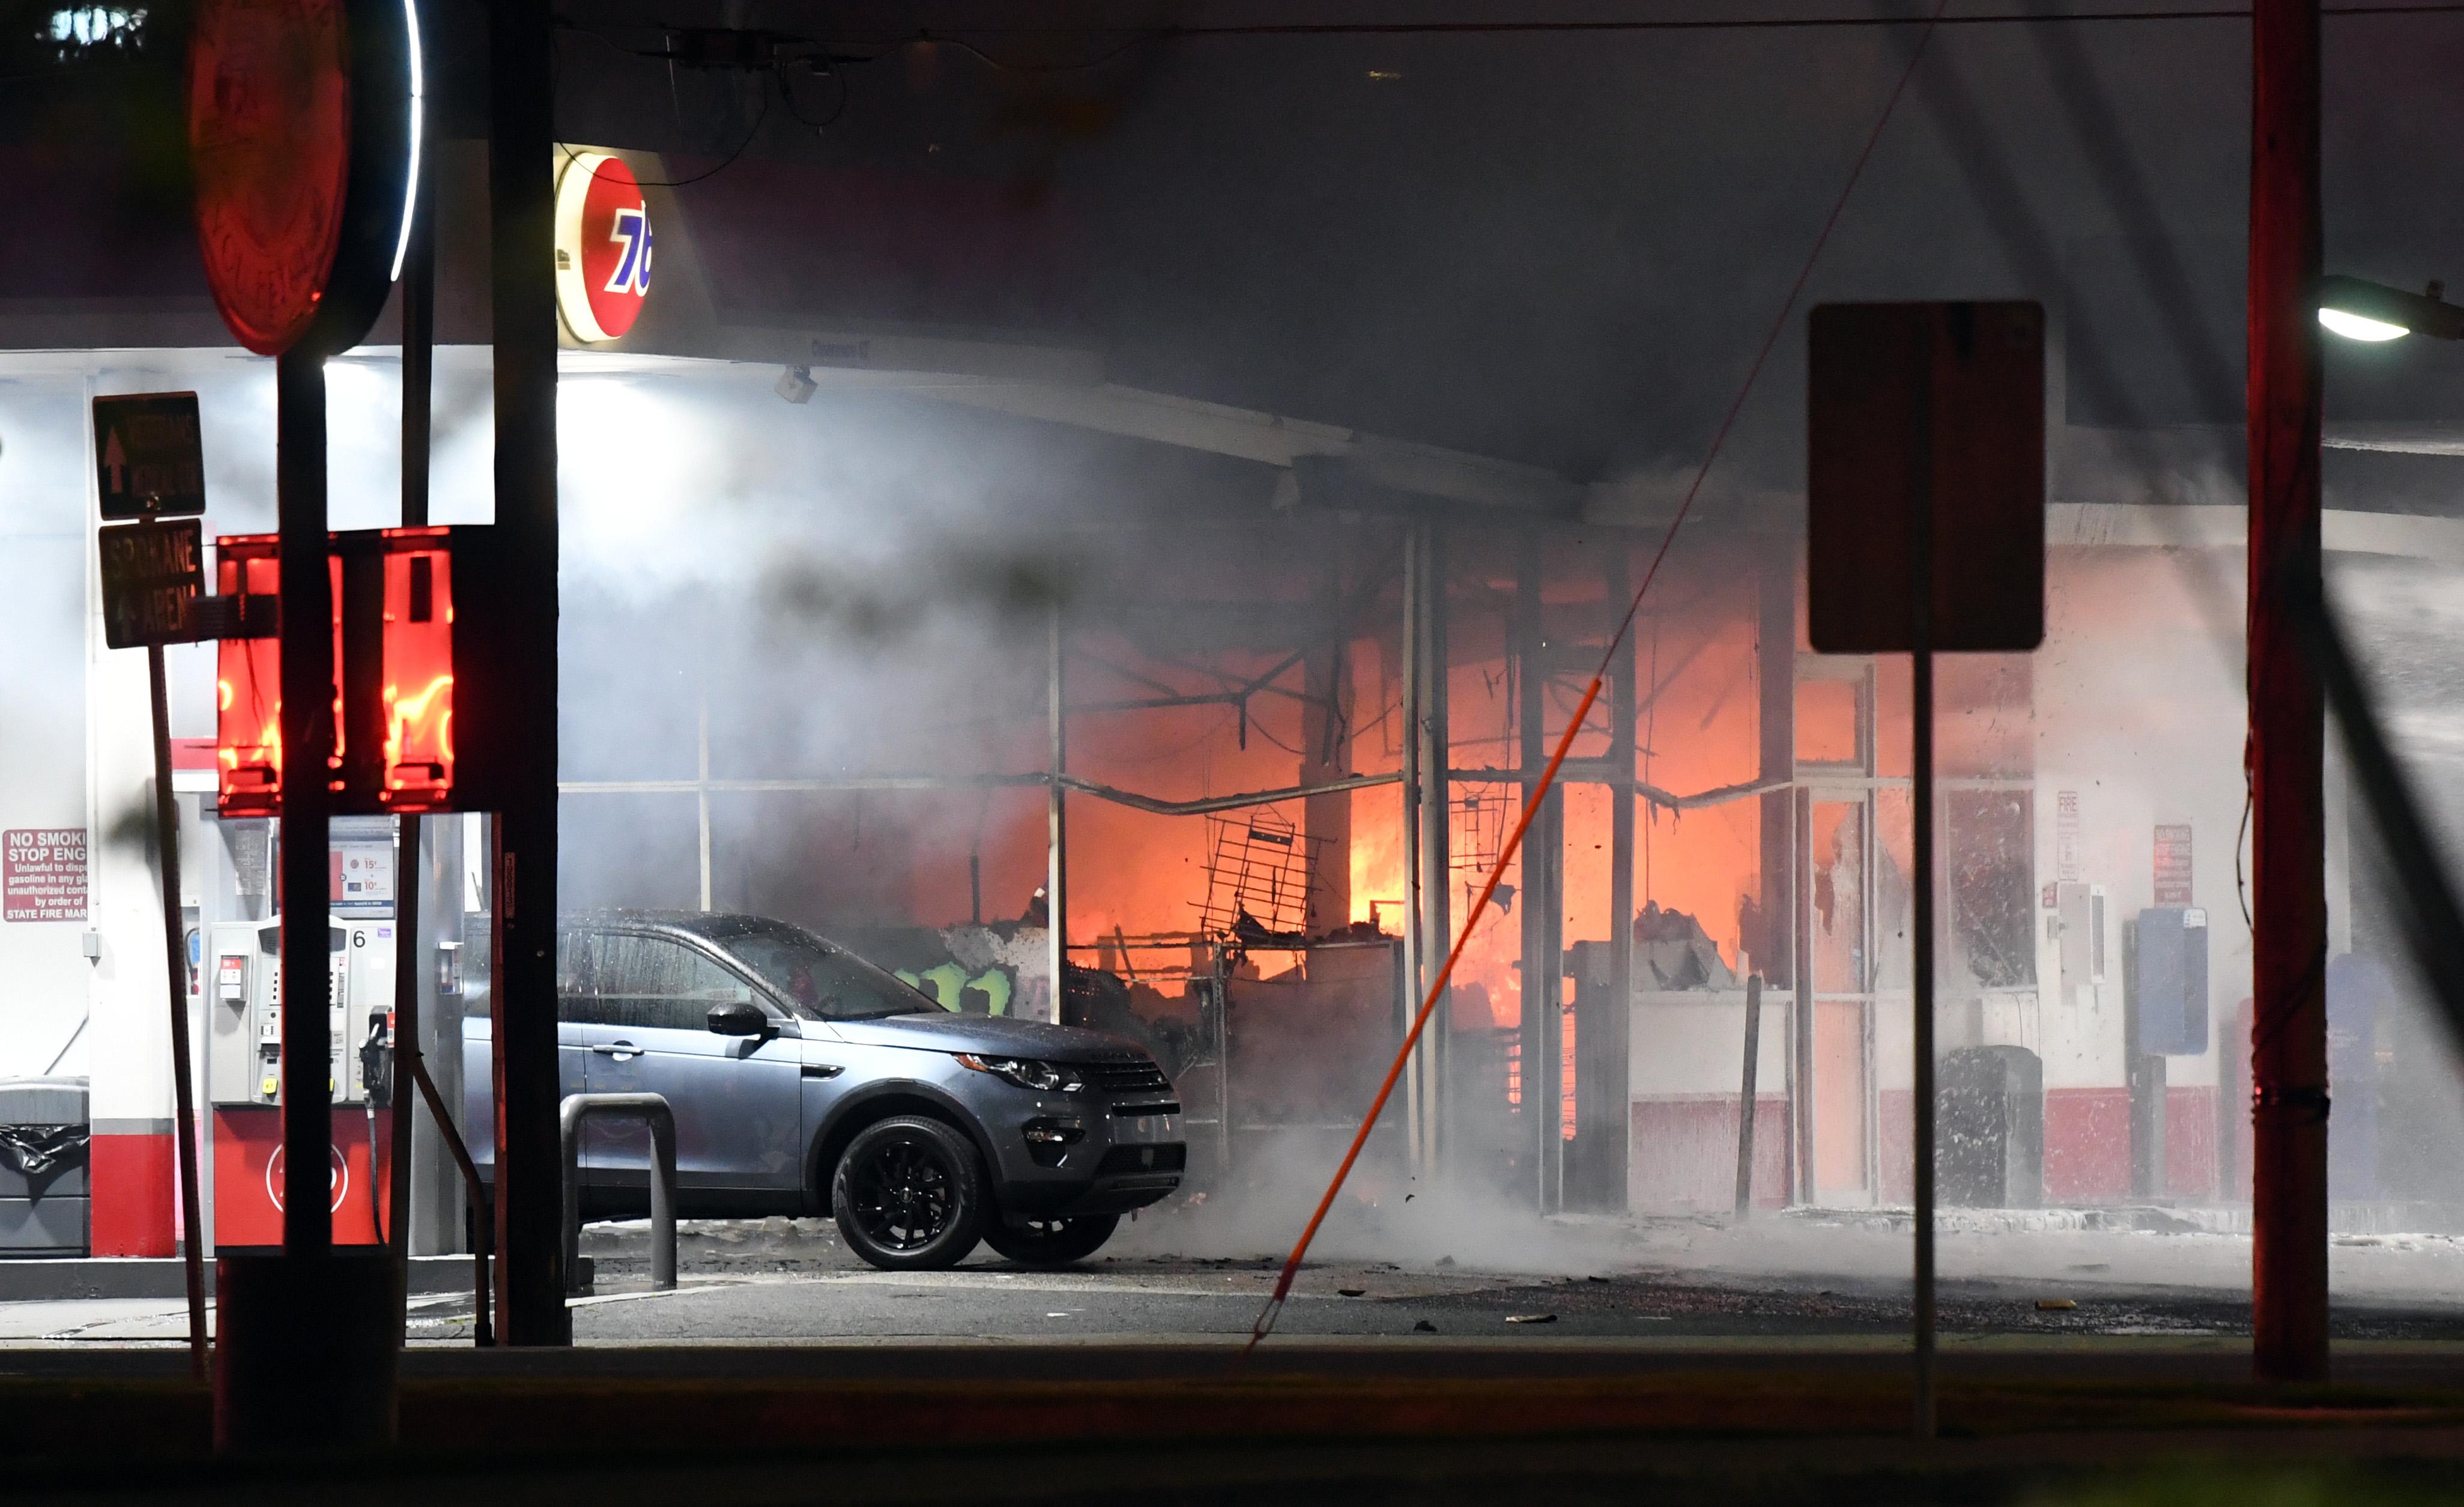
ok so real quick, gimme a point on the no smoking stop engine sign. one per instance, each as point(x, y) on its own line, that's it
point(602, 247)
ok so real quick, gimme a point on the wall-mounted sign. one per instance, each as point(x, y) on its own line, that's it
point(148, 459)
point(362, 873)
point(42, 874)
point(301, 122)
point(2173, 864)
point(152, 575)
point(2067, 833)
point(269, 136)
point(602, 247)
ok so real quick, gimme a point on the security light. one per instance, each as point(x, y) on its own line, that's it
point(2372, 311)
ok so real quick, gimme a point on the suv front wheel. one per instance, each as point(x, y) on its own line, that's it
point(908, 1194)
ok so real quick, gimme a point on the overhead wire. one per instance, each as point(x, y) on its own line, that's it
point(1264, 1323)
point(828, 60)
point(1137, 38)
point(787, 98)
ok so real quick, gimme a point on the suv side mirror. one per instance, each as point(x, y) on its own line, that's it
point(738, 1018)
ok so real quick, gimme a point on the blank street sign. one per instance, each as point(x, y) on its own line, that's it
point(148, 459)
point(1951, 398)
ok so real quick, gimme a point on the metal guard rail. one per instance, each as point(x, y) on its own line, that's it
point(653, 1110)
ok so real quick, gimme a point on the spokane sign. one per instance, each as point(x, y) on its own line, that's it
point(152, 575)
point(602, 247)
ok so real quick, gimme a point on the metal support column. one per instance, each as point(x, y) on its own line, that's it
point(522, 148)
point(701, 789)
point(1056, 826)
point(2287, 733)
point(1418, 1102)
point(1426, 936)
point(411, 977)
point(1777, 938)
point(1326, 757)
point(1433, 902)
point(1801, 1031)
point(439, 1200)
point(1542, 1032)
point(307, 716)
point(1613, 1121)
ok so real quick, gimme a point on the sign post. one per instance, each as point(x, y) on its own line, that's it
point(150, 460)
point(1926, 532)
point(304, 130)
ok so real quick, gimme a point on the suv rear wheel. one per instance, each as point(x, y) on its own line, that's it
point(908, 1194)
point(1054, 1241)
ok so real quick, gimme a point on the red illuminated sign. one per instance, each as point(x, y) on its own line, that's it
point(269, 138)
point(248, 683)
point(399, 652)
point(410, 575)
point(602, 247)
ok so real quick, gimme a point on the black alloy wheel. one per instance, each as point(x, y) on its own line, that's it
point(908, 1194)
point(1056, 1240)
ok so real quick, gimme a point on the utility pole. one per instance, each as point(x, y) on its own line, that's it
point(522, 203)
point(2288, 828)
point(307, 603)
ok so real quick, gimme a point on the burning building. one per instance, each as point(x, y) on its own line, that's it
point(900, 613)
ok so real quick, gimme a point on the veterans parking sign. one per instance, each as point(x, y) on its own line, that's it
point(602, 247)
point(148, 459)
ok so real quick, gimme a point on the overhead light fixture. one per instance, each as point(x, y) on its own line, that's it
point(2357, 326)
point(796, 384)
point(2372, 311)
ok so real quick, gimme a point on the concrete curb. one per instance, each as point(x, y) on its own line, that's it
point(59, 1278)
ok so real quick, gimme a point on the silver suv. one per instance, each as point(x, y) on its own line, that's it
point(806, 1081)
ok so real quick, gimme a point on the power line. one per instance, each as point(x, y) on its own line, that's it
point(1133, 38)
point(1669, 24)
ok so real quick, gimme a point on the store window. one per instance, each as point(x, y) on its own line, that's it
point(1993, 883)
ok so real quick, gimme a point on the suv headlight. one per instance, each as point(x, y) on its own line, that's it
point(1027, 1072)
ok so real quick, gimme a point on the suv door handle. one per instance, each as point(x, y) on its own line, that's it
point(621, 1048)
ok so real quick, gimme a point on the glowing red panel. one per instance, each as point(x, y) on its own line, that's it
point(418, 681)
point(248, 683)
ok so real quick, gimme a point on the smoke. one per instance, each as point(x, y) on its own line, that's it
point(1557, 252)
point(1382, 1214)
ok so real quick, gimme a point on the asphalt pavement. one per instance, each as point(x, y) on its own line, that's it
point(792, 1282)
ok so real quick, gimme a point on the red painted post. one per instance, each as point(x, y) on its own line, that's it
point(2288, 833)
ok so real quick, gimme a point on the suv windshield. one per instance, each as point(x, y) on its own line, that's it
point(818, 981)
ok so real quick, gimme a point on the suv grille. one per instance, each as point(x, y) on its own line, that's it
point(1125, 1075)
point(1121, 1160)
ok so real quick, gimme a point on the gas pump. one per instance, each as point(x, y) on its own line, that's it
point(244, 1077)
point(244, 1032)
